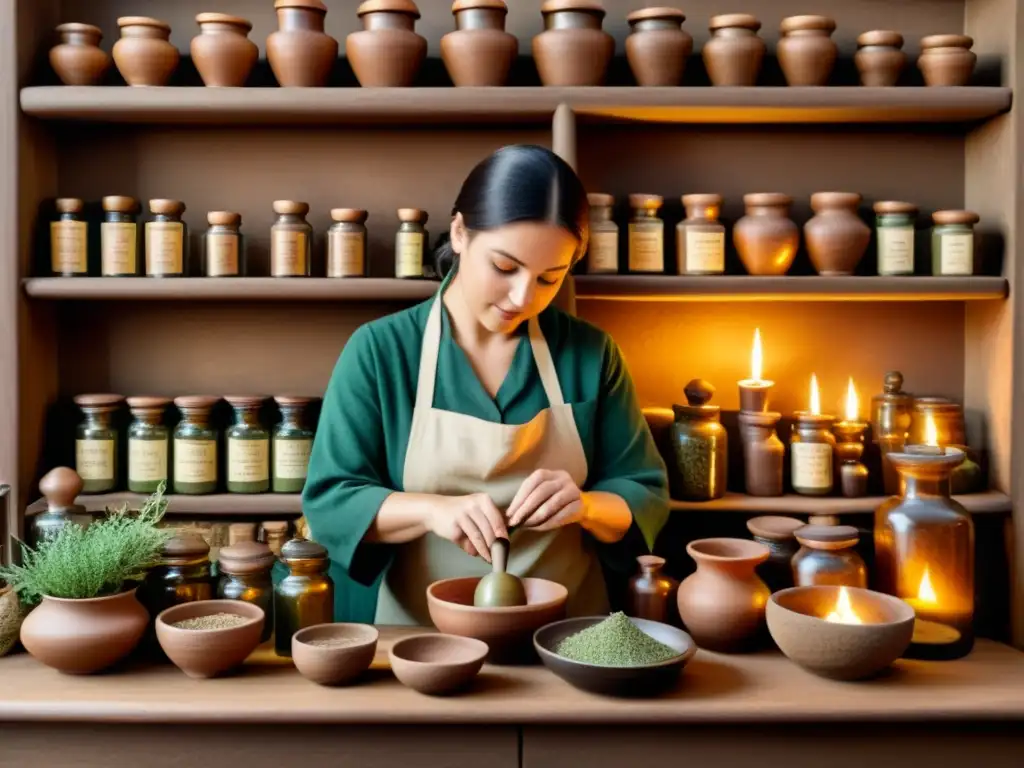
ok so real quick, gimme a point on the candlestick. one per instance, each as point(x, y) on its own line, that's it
point(853, 475)
point(754, 391)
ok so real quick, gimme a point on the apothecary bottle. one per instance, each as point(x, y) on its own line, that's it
point(410, 242)
point(292, 445)
point(166, 239)
point(305, 596)
point(776, 532)
point(148, 444)
point(603, 248)
point(60, 487)
point(97, 443)
point(953, 250)
point(245, 574)
point(700, 443)
point(763, 453)
point(291, 240)
point(248, 447)
point(346, 243)
point(812, 449)
point(646, 234)
point(274, 533)
point(195, 446)
point(828, 557)
point(69, 240)
point(700, 237)
point(119, 237)
point(183, 574)
point(650, 593)
point(894, 235)
point(224, 245)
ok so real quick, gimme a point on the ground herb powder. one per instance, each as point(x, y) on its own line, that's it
point(212, 621)
point(615, 642)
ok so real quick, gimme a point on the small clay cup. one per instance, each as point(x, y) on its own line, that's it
point(657, 46)
point(339, 664)
point(947, 60)
point(836, 237)
point(387, 52)
point(880, 58)
point(144, 54)
point(765, 237)
point(222, 52)
point(203, 653)
point(479, 52)
point(300, 53)
point(806, 51)
point(78, 58)
point(573, 49)
point(437, 664)
point(734, 54)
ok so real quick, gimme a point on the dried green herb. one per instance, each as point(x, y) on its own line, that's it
point(615, 642)
point(693, 456)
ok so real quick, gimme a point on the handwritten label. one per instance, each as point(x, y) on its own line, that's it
point(118, 246)
point(956, 254)
point(248, 460)
point(409, 254)
point(646, 248)
point(221, 255)
point(812, 466)
point(291, 458)
point(288, 253)
point(68, 248)
point(345, 254)
point(705, 252)
point(147, 460)
point(165, 254)
point(603, 252)
point(895, 250)
point(94, 459)
point(195, 461)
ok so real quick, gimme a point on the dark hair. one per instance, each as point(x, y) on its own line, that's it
point(520, 182)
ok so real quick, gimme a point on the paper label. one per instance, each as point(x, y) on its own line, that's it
point(164, 248)
point(603, 252)
point(147, 460)
point(221, 255)
point(705, 251)
point(118, 243)
point(345, 254)
point(248, 460)
point(812, 465)
point(291, 458)
point(895, 250)
point(68, 247)
point(956, 254)
point(288, 253)
point(94, 459)
point(646, 248)
point(409, 254)
point(195, 461)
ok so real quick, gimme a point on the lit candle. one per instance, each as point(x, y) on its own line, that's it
point(931, 445)
point(843, 613)
point(932, 625)
point(853, 475)
point(754, 391)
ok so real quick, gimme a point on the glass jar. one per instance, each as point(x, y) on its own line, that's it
point(274, 535)
point(60, 487)
point(148, 444)
point(894, 234)
point(195, 446)
point(119, 237)
point(305, 596)
point(939, 414)
point(96, 442)
point(248, 447)
point(646, 234)
point(776, 533)
point(292, 445)
point(223, 245)
point(700, 443)
point(346, 243)
point(291, 240)
point(651, 594)
point(890, 425)
point(812, 449)
point(410, 242)
point(69, 239)
point(183, 574)
point(245, 575)
point(700, 237)
point(953, 243)
point(603, 248)
point(924, 552)
point(828, 557)
point(166, 239)
point(763, 453)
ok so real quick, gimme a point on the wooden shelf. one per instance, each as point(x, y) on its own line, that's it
point(976, 503)
point(226, 504)
point(341, 106)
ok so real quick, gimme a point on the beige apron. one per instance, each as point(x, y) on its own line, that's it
point(454, 454)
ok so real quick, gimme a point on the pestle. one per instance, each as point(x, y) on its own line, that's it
point(499, 589)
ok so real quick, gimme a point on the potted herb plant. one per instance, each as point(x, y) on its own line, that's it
point(82, 582)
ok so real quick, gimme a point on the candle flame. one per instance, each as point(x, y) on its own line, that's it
point(756, 356)
point(843, 613)
point(815, 396)
point(926, 592)
point(852, 405)
point(931, 432)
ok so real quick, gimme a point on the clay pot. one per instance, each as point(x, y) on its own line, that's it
point(222, 52)
point(879, 58)
point(734, 54)
point(836, 237)
point(83, 636)
point(651, 593)
point(300, 53)
point(947, 60)
point(144, 54)
point(78, 58)
point(657, 46)
point(479, 51)
point(806, 50)
point(573, 49)
point(387, 52)
point(722, 602)
point(766, 238)
point(11, 615)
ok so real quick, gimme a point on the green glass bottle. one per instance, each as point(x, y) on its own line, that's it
point(97, 443)
point(148, 444)
point(292, 444)
point(248, 447)
point(195, 446)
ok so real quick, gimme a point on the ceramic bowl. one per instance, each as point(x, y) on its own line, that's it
point(840, 651)
point(334, 654)
point(648, 680)
point(209, 652)
point(507, 631)
point(437, 664)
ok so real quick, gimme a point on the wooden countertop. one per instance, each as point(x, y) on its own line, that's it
point(761, 688)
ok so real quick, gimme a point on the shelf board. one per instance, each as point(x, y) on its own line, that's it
point(226, 504)
point(455, 106)
point(976, 503)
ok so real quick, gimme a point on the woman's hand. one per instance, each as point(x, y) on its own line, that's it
point(547, 499)
point(472, 522)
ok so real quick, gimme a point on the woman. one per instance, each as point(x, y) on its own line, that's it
point(485, 411)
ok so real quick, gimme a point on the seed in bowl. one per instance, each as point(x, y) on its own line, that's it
point(212, 621)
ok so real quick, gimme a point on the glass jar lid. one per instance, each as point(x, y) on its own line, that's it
point(246, 557)
point(303, 549)
point(185, 548)
point(828, 536)
point(61, 486)
point(698, 392)
point(774, 527)
point(101, 403)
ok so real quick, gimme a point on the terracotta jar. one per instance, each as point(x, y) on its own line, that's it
point(300, 53)
point(387, 52)
point(657, 47)
point(573, 49)
point(84, 636)
point(765, 237)
point(78, 58)
point(777, 533)
point(651, 594)
point(880, 59)
point(144, 54)
point(222, 51)
point(806, 50)
point(836, 237)
point(479, 51)
point(735, 52)
point(722, 603)
point(947, 59)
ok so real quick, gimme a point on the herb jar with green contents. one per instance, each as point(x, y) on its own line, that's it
point(248, 447)
point(119, 237)
point(410, 243)
point(646, 234)
point(346, 243)
point(97, 443)
point(603, 248)
point(148, 444)
point(166, 239)
point(305, 596)
point(700, 443)
point(894, 234)
point(291, 240)
point(223, 245)
point(183, 574)
point(195, 446)
point(292, 444)
point(69, 249)
point(953, 243)
point(245, 575)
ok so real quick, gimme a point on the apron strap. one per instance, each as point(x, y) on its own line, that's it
point(545, 364)
point(428, 357)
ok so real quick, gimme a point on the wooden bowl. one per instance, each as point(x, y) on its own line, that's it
point(648, 680)
point(326, 664)
point(209, 652)
point(507, 631)
point(437, 664)
point(836, 650)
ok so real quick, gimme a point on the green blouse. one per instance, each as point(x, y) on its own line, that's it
point(359, 451)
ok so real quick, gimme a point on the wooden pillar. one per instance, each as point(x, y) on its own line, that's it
point(563, 144)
